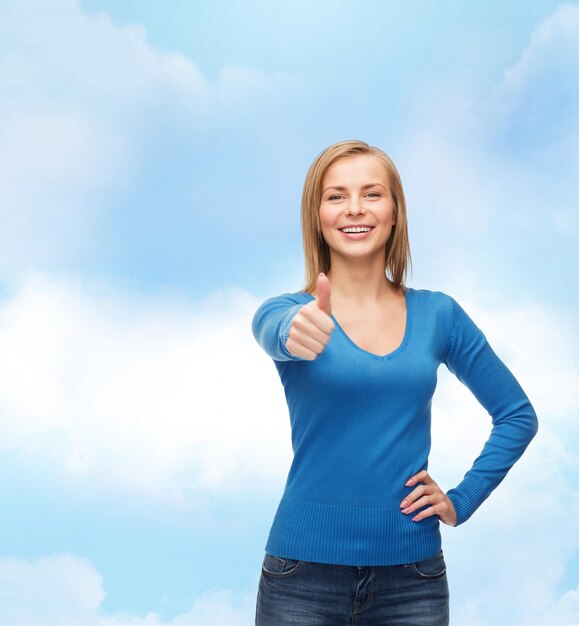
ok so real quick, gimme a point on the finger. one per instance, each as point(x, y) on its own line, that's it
point(426, 499)
point(421, 490)
point(298, 350)
point(309, 343)
point(426, 513)
point(318, 317)
point(430, 488)
point(412, 496)
point(421, 476)
point(323, 293)
point(304, 327)
point(444, 509)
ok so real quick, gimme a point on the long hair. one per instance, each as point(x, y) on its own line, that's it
point(316, 251)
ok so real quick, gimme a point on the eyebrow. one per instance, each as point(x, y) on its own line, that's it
point(338, 188)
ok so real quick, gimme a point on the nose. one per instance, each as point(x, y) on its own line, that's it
point(355, 207)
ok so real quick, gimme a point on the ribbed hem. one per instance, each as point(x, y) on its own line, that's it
point(341, 535)
point(467, 497)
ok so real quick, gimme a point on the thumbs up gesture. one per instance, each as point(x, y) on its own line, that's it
point(312, 325)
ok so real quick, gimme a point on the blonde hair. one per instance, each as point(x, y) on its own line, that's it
point(316, 251)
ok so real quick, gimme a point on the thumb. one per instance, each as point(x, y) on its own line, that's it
point(323, 291)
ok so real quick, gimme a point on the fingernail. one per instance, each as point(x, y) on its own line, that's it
point(404, 503)
point(408, 482)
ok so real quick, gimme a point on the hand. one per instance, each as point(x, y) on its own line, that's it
point(312, 325)
point(428, 493)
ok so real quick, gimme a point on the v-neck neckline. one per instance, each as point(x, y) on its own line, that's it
point(407, 328)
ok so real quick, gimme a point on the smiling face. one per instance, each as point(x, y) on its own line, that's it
point(356, 211)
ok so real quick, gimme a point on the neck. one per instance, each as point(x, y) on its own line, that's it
point(360, 282)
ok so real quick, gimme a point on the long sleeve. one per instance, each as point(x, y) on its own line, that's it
point(514, 421)
point(271, 325)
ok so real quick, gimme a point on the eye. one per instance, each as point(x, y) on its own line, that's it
point(334, 197)
point(374, 193)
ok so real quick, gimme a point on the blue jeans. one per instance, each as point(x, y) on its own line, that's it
point(302, 593)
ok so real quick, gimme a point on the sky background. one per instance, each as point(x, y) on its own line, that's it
point(152, 157)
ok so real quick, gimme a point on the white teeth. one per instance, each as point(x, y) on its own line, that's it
point(356, 229)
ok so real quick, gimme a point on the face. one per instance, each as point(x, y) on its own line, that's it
point(357, 210)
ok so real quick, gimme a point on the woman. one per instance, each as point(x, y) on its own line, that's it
point(356, 539)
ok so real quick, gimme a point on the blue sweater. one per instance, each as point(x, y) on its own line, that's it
point(361, 427)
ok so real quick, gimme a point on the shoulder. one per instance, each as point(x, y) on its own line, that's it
point(433, 300)
point(445, 307)
point(434, 309)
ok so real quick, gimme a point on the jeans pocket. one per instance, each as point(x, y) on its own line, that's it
point(280, 567)
point(432, 567)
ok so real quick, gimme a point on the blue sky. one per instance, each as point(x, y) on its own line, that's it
point(151, 165)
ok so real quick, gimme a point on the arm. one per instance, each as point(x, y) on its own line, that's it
point(470, 357)
point(271, 325)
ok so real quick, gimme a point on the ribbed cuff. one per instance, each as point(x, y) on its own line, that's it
point(285, 328)
point(467, 497)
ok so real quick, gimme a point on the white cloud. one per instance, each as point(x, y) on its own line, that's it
point(74, 88)
point(60, 590)
point(534, 108)
point(549, 58)
point(150, 393)
point(76, 55)
point(68, 591)
point(80, 99)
